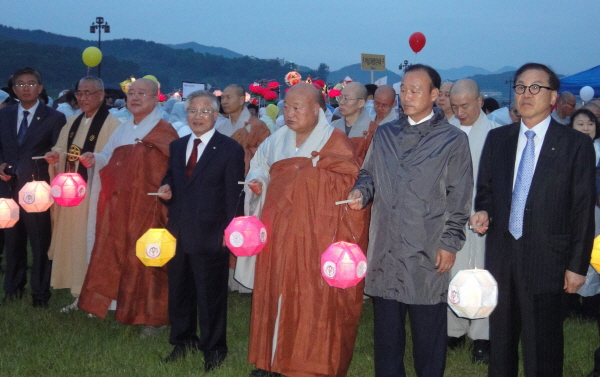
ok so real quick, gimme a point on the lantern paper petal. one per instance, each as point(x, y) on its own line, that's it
point(473, 294)
point(68, 189)
point(334, 93)
point(343, 265)
point(245, 236)
point(156, 247)
point(9, 213)
point(35, 196)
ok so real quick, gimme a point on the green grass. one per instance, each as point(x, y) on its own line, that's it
point(44, 342)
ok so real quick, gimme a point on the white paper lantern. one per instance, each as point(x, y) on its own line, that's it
point(35, 196)
point(473, 294)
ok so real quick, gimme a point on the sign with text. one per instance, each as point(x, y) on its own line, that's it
point(190, 87)
point(370, 62)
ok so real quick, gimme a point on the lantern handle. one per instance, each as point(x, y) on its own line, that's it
point(349, 225)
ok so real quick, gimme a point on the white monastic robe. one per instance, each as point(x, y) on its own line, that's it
point(228, 128)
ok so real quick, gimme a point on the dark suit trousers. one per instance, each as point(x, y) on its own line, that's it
point(429, 329)
point(36, 227)
point(198, 295)
point(536, 318)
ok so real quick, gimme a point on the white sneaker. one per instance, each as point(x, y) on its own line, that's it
point(71, 307)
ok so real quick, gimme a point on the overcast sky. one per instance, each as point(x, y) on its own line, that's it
point(563, 34)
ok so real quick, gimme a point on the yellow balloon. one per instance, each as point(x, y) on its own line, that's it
point(151, 77)
point(91, 56)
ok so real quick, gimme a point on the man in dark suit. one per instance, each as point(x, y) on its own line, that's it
point(27, 129)
point(535, 198)
point(202, 191)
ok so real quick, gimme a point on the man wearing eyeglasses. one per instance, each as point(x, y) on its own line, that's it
point(87, 132)
point(27, 129)
point(535, 200)
point(131, 164)
point(564, 108)
point(202, 191)
point(355, 119)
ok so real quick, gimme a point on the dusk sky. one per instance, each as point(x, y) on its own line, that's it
point(562, 34)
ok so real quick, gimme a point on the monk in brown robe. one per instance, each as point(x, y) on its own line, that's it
point(300, 325)
point(132, 164)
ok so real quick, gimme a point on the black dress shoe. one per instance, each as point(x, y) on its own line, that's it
point(214, 359)
point(179, 352)
point(454, 343)
point(264, 373)
point(12, 296)
point(40, 303)
point(481, 351)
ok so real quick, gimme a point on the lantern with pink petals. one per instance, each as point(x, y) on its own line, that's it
point(9, 213)
point(245, 236)
point(35, 196)
point(343, 265)
point(68, 189)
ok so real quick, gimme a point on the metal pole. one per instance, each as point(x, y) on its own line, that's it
point(99, 48)
point(372, 77)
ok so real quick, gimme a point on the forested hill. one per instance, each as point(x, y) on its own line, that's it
point(59, 59)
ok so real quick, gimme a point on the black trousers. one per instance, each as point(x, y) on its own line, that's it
point(36, 227)
point(198, 297)
point(429, 329)
point(536, 318)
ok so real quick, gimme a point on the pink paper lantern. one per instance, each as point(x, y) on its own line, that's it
point(245, 236)
point(343, 265)
point(35, 196)
point(9, 213)
point(68, 189)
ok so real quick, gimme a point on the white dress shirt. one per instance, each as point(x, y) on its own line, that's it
point(413, 123)
point(204, 138)
point(540, 130)
point(31, 110)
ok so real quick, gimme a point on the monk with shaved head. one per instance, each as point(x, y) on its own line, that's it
point(300, 325)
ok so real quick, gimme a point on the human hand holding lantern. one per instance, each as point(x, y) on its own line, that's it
point(255, 186)
point(52, 157)
point(165, 192)
point(88, 160)
point(3, 176)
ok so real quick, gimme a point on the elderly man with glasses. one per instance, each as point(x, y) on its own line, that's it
point(86, 132)
point(130, 165)
point(27, 129)
point(564, 108)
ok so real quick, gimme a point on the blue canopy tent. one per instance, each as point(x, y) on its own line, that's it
point(575, 82)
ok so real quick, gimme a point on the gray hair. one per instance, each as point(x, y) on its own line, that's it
point(97, 81)
point(202, 94)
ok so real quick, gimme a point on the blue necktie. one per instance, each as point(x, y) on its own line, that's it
point(23, 128)
point(522, 184)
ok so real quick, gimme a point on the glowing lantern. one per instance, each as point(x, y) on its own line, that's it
point(292, 78)
point(595, 262)
point(9, 213)
point(35, 196)
point(156, 247)
point(245, 236)
point(68, 189)
point(473, 294)
point(343, 265)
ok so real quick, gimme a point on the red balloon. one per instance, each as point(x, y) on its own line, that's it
point(417, 41)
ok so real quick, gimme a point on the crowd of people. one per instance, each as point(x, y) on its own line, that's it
point(437, 178)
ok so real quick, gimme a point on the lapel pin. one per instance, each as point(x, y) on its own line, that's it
point(214, 147)
point(552, 148)
point(38, 118)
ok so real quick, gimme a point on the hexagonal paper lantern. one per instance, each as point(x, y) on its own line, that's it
point(473, 294)
point(156, 247)
point(35, 196)
point(9, 213)
point(245, 236)
point(68, 189)
point(595, 261)
point(343, 265)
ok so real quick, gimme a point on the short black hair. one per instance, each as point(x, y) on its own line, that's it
point(588, 114)
point(436, 80)
point(553, 80)
point(26, 71)
point(371, 88)
point(490, 105)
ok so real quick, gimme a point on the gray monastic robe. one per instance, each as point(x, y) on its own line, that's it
point(359, 127)
point(420, 181)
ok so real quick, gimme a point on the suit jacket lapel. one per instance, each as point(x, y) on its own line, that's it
point(37, 119)
point(511, 148)
point(209, 151)
point(546, 158)
point(14, 118)
point(179, 160)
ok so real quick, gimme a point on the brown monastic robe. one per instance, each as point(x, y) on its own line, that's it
point(317, 323)
point(125, 213)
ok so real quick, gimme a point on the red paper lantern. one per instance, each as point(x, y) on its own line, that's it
point(417, 41)
point(321, 83)
point(68, 189)
point(9, 213)
point(269, 95)
point(35, 196)
point(334, 93)
point(245, 236)
point(343, 265)
point(273, 85)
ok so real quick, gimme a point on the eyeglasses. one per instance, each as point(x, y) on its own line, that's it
point(29, 84)
point(139, 94)
point(346, 99)
point(382, 105)
point(533, 89)
point(84, 94)
point(205, 113)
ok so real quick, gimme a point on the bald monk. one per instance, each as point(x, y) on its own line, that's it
point(300, 325)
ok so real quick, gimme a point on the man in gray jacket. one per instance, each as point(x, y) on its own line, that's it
point(418, 174)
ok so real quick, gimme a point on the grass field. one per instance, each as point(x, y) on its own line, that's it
point(44, 342)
